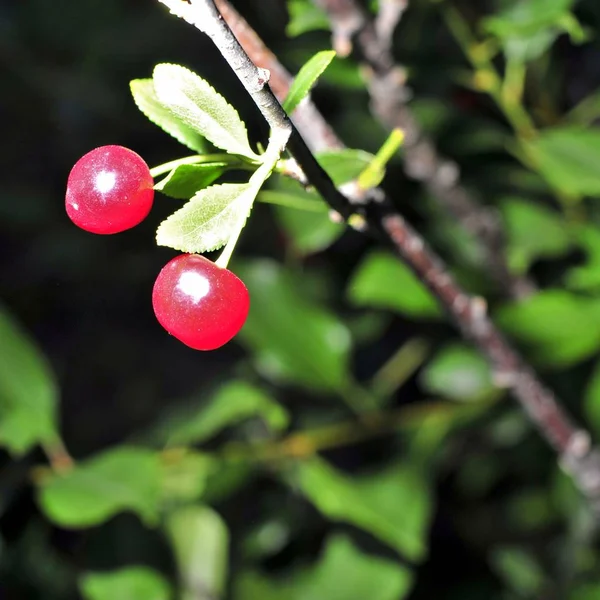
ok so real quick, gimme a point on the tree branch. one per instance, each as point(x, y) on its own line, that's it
point(577, 456)
point(386, 82)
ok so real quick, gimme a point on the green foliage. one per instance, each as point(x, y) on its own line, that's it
point(147, 101)
point(131, 583)
point(304, 17)
point(522, 218)
point(200, 542)
point(125, 478)
point(28, 390)
point(568, 158)
point(306, 79)
point(394, 506)
point(201, 108)
point(291, 337)
point(185, 180)
point(527, 28)
point(370, 287)
point(209, 219)
point(233, 403)
point(342, 573)
point(558, 328)
point(344, 165)
point(458, 372)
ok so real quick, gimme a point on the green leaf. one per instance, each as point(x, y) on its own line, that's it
point(209, 219)
point(98, 488)
point(147, 101)
point(586, 591)
point(28, 390)
point(233, 403)
point(342, 573)
point(344, 165)
point(307, 77)
point(384, 281)
point(202, 108)
point(291, 338)
point(304, 17)
point(200, 541)
point(533, 232)
point(568, 158)
point(130, 583)
point(185, 475)
point(527, 28)
point(393, 506)
point(559, 328)
point(184, 181)
point(457, 372)
point(519, 570)
point(309, 232)
point(587, 276)
point(591, 402)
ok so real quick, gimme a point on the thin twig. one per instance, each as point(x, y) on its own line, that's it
point(386, 82)
point(576, 454)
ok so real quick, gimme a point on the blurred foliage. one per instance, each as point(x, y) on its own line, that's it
point(347, 444)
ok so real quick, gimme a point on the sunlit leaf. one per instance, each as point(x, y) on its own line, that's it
point(306, 79)
point(209, 219)
point(202, 108)
point(344, 165)
point(147, 101)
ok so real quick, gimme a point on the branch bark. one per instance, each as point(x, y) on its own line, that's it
point(573, 444)
point(386, 82)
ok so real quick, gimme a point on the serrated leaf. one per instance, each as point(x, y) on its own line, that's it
point(186, 180)
point(200, 540)
point(307, 77)
point(393, 506)
point(344, 165)
point(383, 281)
point(292, 338)
point(129, 583)
point(522, 219)
point(209, 219)
point(202, 108)
point(343, 572)
point(147, 101)
point(559, 328)
point(28, 390)
point(233, 403)
point(568, 158)
point(98, 488)
point(457, 372)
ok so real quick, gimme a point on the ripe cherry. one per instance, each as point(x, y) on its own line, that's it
point(109, 190)
point(201, 304)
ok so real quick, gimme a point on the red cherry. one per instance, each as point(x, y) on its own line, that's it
point(200, 303)
point(109, 190)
